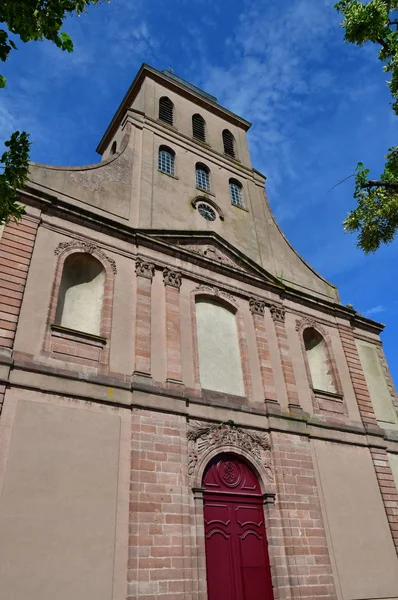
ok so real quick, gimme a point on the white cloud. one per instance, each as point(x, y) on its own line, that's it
point(270, 81)
point(375, 310)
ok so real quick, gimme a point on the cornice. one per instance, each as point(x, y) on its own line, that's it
point(130, 395)
point(51, 204)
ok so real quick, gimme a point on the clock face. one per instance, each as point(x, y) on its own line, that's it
point(207, 212)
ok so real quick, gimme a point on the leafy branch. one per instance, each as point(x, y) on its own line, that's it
point(30, 20)
point(376, 216)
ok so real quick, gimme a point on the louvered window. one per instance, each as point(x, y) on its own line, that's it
point(229, 143)
point(166, 160)
point(202, 177)
point(235, 190)
point(198, 128)
point(166, 110)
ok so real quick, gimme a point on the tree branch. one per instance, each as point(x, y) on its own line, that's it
point(380, 183)
point(384, 45)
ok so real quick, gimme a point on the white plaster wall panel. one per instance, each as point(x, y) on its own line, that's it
point(362, 544)
point(315, 348)
point(220, 363)
point(81, 294)
point(58, 506)
point(377, 383)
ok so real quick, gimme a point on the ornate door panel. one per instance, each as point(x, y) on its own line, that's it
point(236, 545)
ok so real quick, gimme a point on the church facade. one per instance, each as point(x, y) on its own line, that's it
point(187, 409)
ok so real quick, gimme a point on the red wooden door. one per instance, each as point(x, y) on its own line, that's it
point(236, 545)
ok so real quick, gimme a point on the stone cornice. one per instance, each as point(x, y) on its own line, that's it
point(129, 395)
point(51, 204)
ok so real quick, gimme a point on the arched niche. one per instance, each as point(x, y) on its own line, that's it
point(81, 292)
point(318, 360)
point(219, 355)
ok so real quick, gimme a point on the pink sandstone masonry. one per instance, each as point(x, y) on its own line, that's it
point(105, 436)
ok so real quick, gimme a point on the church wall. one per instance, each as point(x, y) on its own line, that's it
point(377, 384)
point(64, 498)
point(96, 431)
point(355, 515)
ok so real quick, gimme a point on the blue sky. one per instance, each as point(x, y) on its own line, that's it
point(317, 105)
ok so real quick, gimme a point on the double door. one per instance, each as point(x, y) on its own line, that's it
point(236, 546)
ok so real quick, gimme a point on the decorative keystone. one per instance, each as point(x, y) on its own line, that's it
point(277, 313)
point(257, 307)
point(144, 269)
point(172, 278)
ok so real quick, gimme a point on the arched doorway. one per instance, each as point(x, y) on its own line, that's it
point(237, 559)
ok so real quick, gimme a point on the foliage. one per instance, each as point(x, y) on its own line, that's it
point(30, 20)
point(16, 166)
point(376, 215)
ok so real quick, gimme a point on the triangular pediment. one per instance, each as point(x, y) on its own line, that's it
point(212, 249)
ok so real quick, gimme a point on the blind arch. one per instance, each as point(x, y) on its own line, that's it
point(318, 361)
point(81, 294)
point(220, 363)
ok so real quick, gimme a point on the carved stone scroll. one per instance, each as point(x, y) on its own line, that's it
point(144, 269)
point(87, 247)
point(257, 306)
point(277, 313)
point(203, 437)
point(172, 278)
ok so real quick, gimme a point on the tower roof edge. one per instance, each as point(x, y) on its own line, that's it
point(177, 84)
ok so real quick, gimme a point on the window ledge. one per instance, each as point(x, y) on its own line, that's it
point(165, 124)
point(331, 395)
point(232, 158)
point(205, 191)
point(67, 332)
point(201, 142)
point(240, 207)
point(168, 174)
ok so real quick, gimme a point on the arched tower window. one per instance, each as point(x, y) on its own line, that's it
point(81, 293)
point(220, 365)
point(166, 160)
point(229, 143)
point(236, 193)
point(166, 110)
point(202, 177)
point(198, 128)
point(318, 361)
point(113, 148)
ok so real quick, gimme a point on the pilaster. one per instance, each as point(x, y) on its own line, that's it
point(172, 282)
point(144, 272)
point(257, 309)
point(278, 316)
